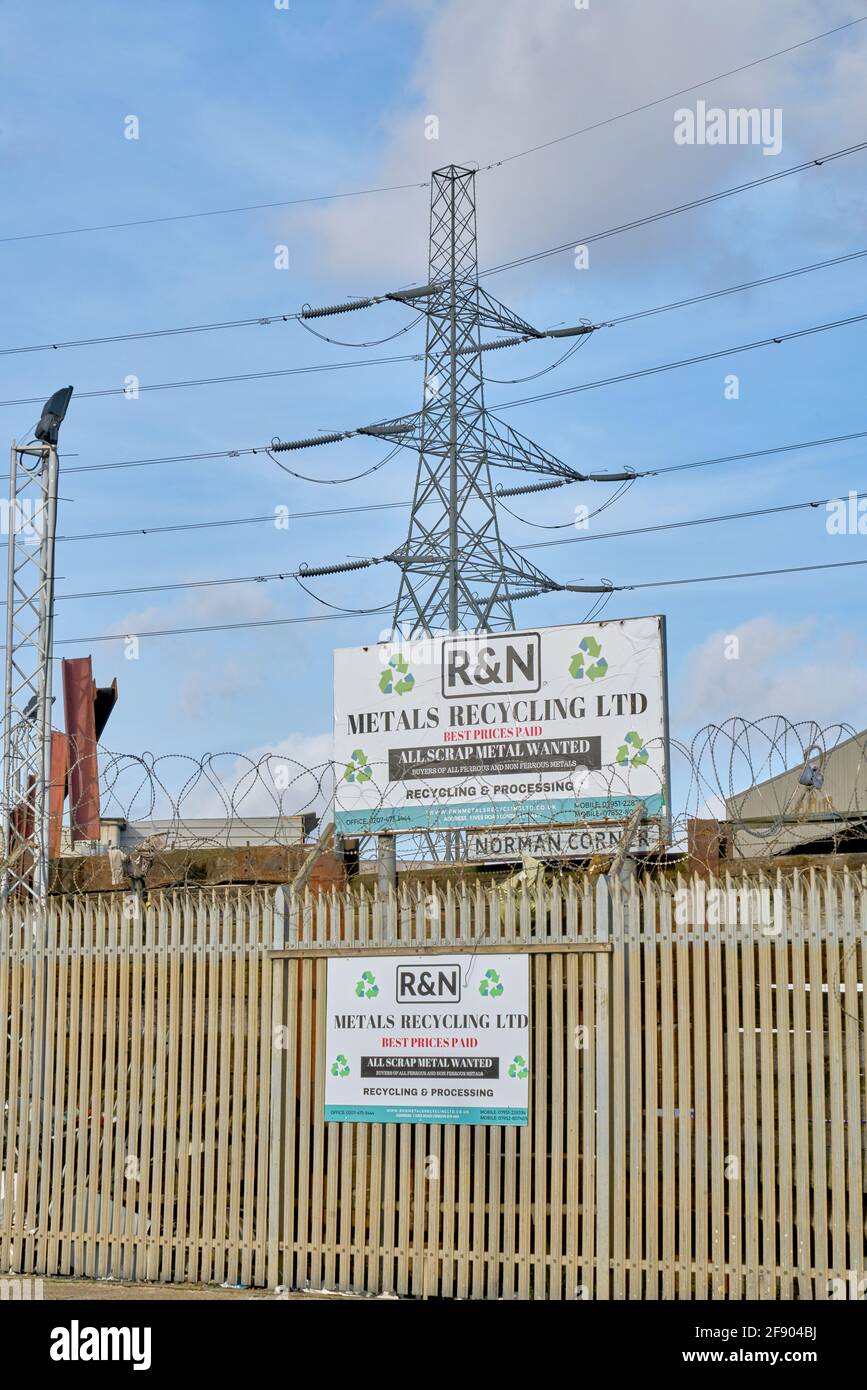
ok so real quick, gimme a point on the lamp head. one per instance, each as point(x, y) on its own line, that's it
point(53, 413)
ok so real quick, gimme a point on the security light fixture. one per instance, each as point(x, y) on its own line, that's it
point(812, 777)
point(33, 705)
point(53, 413)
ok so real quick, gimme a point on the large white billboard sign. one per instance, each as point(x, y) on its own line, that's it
point(557, 725)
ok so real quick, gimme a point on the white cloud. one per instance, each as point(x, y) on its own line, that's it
point(142, 620)
point(235, 604)
point(799, 670)
point(285, 778)
point(502, 76)
point(201, 689)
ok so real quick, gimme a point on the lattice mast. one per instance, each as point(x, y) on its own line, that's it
point(31, 527)
point(457, 571)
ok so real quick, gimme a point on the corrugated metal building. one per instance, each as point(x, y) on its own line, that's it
point(217, 832)
point(818, 807)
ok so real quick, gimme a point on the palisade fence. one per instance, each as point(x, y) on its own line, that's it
point(698, 1118)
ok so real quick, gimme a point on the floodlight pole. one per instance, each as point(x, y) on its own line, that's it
point(31, 524)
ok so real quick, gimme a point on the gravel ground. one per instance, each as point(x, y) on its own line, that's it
point(97, 1290)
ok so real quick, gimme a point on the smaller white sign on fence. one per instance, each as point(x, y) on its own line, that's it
point(433, 1039)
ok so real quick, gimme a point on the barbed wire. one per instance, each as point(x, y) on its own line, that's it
point(763, 787)
point(742, 775)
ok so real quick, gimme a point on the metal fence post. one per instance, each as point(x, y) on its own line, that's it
point(602, 1044)
point(277, 1129)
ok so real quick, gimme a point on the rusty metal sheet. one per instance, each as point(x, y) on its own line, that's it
point(57, 791)
point(105, 700)
point(79, 694)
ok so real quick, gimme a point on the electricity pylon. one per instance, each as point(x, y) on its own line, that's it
point(457, 572)
point(31, 526)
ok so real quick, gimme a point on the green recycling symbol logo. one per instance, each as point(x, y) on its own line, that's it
point(634, 746)
point(367, 988)
point(397, 678)
point(340, 1066)
point(588, 647)
point(358, 768)
point(519, 1069)
point(491, 986)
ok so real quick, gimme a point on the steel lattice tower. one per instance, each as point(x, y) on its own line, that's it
point(31, 525)
point(457, 571)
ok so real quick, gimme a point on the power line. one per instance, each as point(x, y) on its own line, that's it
point(543, 371)
point(391, 506)
point(374, 342)
point(213, 212)
point(164, 458)
point(335, 482)
point(755, 453)
point(286, 371)
point(674, 211)
point(392, 188)
point(543, 526)
point(349, 612)
point(235, 377)
point(210, 627)
point(231, 521)
point(744, 574)
point(417, 357)
point(684, 362)
point(366, 563)
point(736, 289)
point(187, 584)
point(678, 525)
point(263, 320)
point(305, 572)
point(335, 617)
point(258, 320)
point(268, 319)
point(672, 96)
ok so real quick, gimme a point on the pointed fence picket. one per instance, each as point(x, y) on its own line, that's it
point(697, 1123)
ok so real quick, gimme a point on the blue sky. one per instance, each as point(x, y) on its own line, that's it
point(243, 103)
